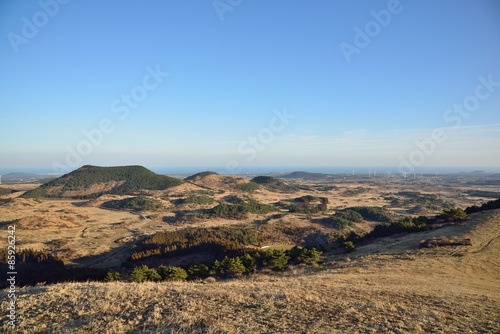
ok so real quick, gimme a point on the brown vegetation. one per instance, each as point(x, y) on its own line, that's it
point(385, 284)
point(418, 291)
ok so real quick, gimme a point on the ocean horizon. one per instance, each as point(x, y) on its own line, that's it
point(252, 170)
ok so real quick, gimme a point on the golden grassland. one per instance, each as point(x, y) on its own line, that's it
point(391, 286)
point(82, 233)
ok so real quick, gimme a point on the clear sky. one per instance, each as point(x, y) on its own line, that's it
point(409, 84)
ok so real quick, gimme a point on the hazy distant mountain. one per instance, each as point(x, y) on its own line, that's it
point(21, 177)
point(475, 172)
point(92, 181)
point(305, 175)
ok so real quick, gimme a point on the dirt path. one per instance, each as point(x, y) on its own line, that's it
point(463, 269)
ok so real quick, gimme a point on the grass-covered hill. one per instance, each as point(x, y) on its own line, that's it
point(274, 184)
point(92, 181)
point(199, 175)
point(221, 183)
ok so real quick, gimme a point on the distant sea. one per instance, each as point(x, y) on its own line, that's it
point(321, 169)
point(359, 170)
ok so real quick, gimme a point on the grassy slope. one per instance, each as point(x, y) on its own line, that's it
point(382, 290)
point(274, 184)
point(200, 175)
point(134, 178)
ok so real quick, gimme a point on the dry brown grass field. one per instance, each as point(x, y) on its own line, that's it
point(82, 233)
point(388, 286)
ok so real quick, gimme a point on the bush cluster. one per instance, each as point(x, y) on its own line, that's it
point(248, 187)
point(306, 205)
point(338, 222)
point(139, 203)
point(491, 205)
point(162, 273)
point(197, 199)
point(415, 198)
point(240, 210)
point(373, 213)
point(229, 266)
point(452, 214)
point(343, 219)
point(355, 191)
point(407, 224)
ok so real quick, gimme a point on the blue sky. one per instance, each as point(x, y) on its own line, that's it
point(233, 66)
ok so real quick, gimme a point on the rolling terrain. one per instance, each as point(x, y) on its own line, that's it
point(374, 274)
point(391, 286)
point(87, 221)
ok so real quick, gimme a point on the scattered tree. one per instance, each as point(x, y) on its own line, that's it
point(198, 270)
point(309, 256)
point(349, 246)
point(144, 273)
point(172, 273)
point(453, 214)
point(232, 266)
point(112, 276)
point(276, 259)
point(248, 262)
